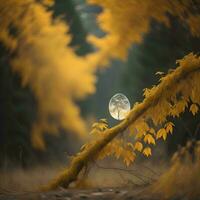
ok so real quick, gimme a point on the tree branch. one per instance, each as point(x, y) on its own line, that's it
point(83, 158)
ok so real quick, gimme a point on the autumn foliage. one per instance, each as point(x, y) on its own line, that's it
point(52, 69)
point(171, 97)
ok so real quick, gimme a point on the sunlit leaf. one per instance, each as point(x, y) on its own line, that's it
point(129, 157)
point(169, 127)
point(138, 146)
point(149, 139)
point(147, 151)
point(194, 109)
point(161, 133)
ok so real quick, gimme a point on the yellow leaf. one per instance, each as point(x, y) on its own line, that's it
point(164, 135)
point(129, 157)
point(194, 109)
point(138, 146)
point(147, 151)
point(149, 139)
point(169, 127)
point(161, 133)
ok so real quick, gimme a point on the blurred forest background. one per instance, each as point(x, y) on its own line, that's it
point(160, 49)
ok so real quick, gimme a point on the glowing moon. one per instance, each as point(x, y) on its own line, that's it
point(119, 106)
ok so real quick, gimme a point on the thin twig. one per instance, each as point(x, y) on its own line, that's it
point(151, 170)
point(130, 171)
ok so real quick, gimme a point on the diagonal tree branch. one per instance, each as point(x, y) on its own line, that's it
point(83, 158)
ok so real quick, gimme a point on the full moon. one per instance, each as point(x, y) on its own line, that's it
point(119, 106)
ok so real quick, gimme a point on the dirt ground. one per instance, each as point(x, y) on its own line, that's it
point(81, 194)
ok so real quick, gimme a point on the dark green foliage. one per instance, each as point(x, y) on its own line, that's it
point(17, 112)
point(66, 10)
